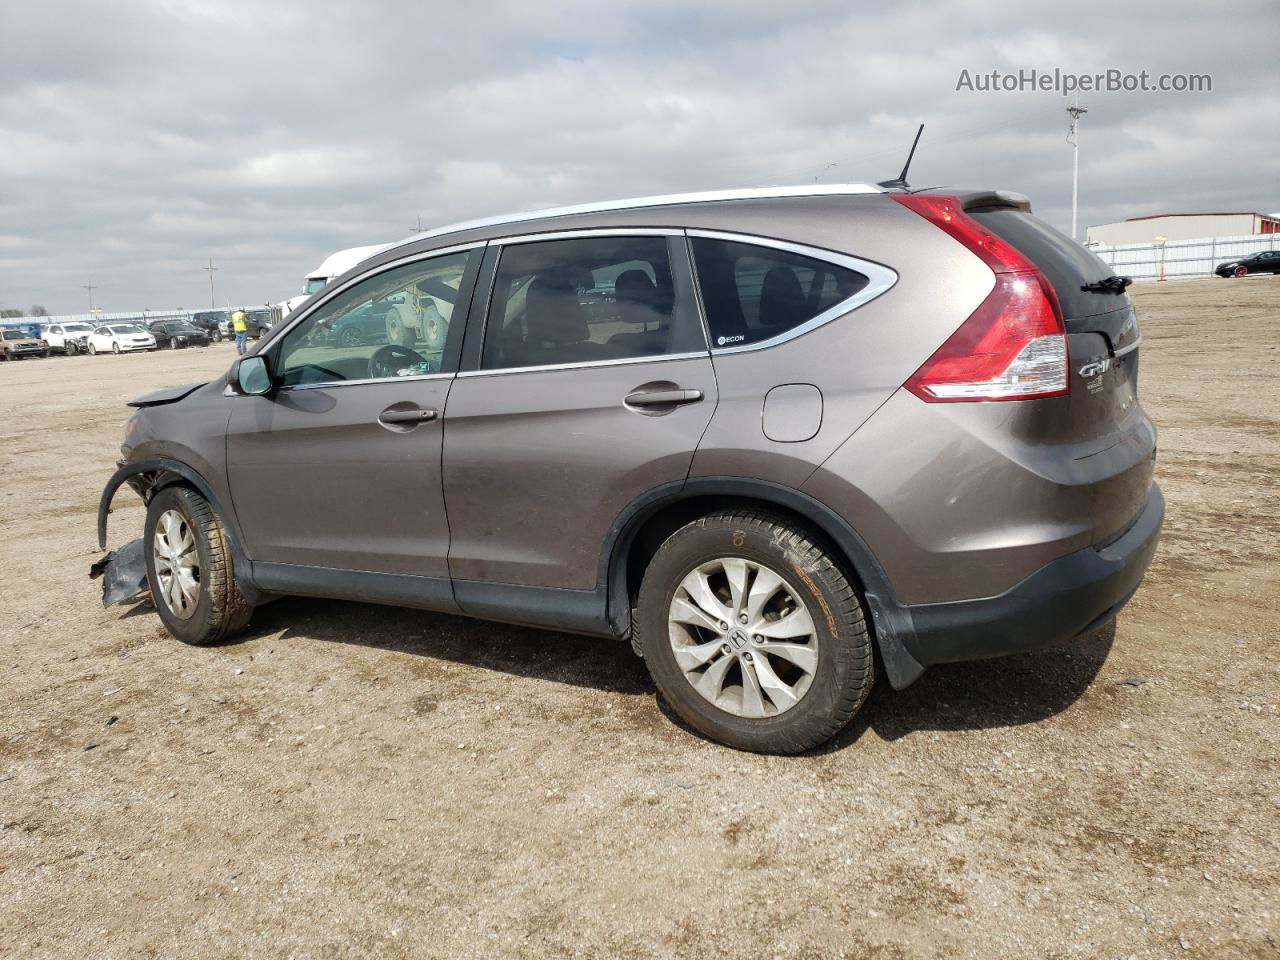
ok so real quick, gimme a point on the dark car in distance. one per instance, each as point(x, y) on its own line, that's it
point(1268, 261)
point(211, 322)
point(759, 434)
point(175, 334)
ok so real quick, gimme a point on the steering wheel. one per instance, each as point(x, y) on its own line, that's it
point(387, 360)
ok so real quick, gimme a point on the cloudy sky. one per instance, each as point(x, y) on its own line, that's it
point(139, 139)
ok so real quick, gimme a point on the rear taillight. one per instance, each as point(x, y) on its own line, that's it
point(1014, 346)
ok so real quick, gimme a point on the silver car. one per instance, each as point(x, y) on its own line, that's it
point(758, 434)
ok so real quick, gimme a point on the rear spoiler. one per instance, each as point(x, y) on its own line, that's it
point(985, 199)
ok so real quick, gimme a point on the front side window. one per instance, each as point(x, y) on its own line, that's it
point(752, 293)
point(394, 324)
point(587, 300)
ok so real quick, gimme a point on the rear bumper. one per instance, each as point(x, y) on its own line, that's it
point(1061, 600)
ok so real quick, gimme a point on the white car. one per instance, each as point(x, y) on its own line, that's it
point(120, 338)
point(66, 337)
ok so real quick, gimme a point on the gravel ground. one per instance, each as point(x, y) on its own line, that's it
point(353, 780)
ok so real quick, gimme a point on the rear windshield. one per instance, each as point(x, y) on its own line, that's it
point(1067, 264)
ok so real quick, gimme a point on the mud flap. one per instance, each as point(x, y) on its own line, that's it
point(123, 572)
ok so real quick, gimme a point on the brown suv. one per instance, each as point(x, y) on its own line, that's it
point(16, 344)
point(760, 434)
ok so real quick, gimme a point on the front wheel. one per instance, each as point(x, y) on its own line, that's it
point(93, 351)
point(115, 347)
point(754, 634)
point(190, 569)
point(1241, 271)
point(173, 344)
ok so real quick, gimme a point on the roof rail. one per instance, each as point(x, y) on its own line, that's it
point(633, 203)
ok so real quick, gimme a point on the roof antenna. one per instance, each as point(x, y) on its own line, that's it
point(901, 180)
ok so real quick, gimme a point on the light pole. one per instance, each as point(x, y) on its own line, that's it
point(1073, 138)
point(210, 269)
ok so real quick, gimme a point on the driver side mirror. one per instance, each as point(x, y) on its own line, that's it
point(251, 377)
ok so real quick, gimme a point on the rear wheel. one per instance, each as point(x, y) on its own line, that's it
point(398, 328)
point(190, 569)
point(753, 633)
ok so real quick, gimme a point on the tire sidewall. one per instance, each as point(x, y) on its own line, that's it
point(700, 543)
point(196, 627)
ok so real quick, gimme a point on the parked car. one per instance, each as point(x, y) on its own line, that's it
point(755, 433)
point(120, 338)
point(70, 338)
point(212, 322)
point(260, 321)
point(366, 325)
point(1268, 261)
point(19, 344)
point(178, 333)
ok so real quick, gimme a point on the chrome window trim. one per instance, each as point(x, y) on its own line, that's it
point(328, 294)
point(636, 203)
point(615, 362)
point(880, 279)
point(330, 384)
point(589, 232)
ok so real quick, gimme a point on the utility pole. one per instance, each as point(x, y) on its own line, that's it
point(90, 286)
point(1073, 138)
point(210, 270)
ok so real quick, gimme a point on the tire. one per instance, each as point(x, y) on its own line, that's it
point(69, 349)
point(173, 344)
point(1241, 271)
point(93, 351)
point(350, 337)
point(398, 328)
point(842, 671)
point(219, 609)
point(46, 353)
point(115, 347)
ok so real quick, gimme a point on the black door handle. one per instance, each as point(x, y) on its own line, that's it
point(661, 398)
point(407, 416)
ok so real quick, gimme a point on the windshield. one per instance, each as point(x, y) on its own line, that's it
point(15, 335)
point(313, 284)
point(76, 327)
point(126, 328)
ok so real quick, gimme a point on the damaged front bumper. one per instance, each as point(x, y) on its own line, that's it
point(123, 573)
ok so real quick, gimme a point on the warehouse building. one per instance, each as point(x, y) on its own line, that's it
point(1183, 226)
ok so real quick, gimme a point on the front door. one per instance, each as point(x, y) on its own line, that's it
point(339, 468)
point(593, 387)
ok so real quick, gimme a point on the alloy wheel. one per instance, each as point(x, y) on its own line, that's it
point(177, 564)
point(743, 637)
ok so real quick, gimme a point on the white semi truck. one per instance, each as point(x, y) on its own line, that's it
point(412, 318)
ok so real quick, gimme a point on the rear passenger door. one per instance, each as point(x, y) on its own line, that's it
point(588, 384)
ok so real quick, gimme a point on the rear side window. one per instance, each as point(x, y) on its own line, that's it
point(752, 293)
point(587, 300)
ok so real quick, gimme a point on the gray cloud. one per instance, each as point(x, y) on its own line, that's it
point(137, 140)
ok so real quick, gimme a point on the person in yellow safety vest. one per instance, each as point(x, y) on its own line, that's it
point(240, 327)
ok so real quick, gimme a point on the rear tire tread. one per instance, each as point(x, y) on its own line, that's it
point(855, 657)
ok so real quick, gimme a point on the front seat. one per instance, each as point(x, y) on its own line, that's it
point(555, 327)
point(639, 303)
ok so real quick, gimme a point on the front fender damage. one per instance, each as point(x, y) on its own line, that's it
point(123, 573)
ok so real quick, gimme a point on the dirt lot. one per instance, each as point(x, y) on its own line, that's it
point(363, 781)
